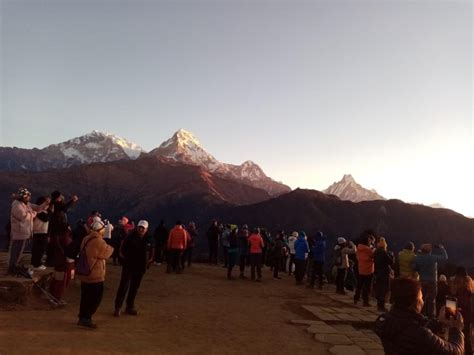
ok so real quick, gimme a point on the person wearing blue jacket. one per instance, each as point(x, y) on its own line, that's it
point(319, 258)
point(301, 254)
point(426, 264)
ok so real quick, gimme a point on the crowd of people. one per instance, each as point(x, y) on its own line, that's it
point(408, 280)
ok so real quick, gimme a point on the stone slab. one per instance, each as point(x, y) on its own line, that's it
point(305, 322)
point(321, 329)
point(334, 339)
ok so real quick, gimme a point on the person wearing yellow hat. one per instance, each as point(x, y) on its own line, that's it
point(383, 266)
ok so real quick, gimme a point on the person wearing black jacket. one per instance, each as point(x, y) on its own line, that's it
point(404, 330)
point(137, 253)
point(161, 239)
point(383, 261)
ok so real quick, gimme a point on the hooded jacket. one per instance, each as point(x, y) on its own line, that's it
point(406, 332)
point(21, 218)
point(365, 259)
point(178, 238)
point(406, 264)
point(97, 252)
point(319, 249)
point(427, 265)
point(352, 249)
point(301, 248)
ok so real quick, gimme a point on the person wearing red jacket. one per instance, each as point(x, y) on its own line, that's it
point(177, 243)
point(256, 245)
point(366, 267)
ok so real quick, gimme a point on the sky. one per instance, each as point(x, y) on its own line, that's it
point(310, 90)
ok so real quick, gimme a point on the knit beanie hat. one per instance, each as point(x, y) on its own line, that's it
point(55, 195)
point(22, 192)
point(341, 240)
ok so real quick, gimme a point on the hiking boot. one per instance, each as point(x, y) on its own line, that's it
point(86, 323)
point(117, 312)
point(131, 311)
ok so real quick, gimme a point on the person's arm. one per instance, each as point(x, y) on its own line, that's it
point(105, 251)
point(70, 203)
point(441, 257)
point(434, 344)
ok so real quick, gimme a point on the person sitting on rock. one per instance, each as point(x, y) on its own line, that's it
point(404, 330)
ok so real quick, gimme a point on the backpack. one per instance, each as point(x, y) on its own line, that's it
point(337, 257)
point(82, 264)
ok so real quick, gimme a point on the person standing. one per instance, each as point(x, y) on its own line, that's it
point(365, 261)
point(40, 236)
point(109, 229)
point(60, 238)
point(342, 250)
point(383, 262)
point(243, 249)
point(301, 256)
point(97, 251)
point(177, 242)
point(213, 240)
point(224, 241)
point(161, 240)
point(233, 251)
point(319, 258)
point(191, 243)
point(426, 264)
point(21, 218)
point(256, 245)
point(291, 245)
point(137, 253)
point(462, 288)
point(277, 254)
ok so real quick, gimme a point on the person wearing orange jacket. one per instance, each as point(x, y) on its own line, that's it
point(365, 259)
point(177, 243)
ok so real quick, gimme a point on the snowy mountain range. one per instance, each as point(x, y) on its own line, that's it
point(99, 147)
point(94, 147)
point(349, 189)
point(185, 148)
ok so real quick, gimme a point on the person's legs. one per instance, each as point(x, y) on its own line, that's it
point(290, 265)
point(467, 338)
point(16, 253)
point(366, 287)
point(318, 270)
point(179, 258)
point(340, 278)
point(91, 297)
point(123, 288)
point(276, 267)
point(36, 251)
point(135, 282)
point(430, 290)
point(190, 256)
point(215, 247)
point(259, 258)
point(253, 265)
point(381, 289)
point(358, 289)
point(242, 264)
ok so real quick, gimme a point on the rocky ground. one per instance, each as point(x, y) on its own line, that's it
point(197, 312)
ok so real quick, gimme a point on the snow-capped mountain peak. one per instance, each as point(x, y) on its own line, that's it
point(185, 148)
point(349, 189)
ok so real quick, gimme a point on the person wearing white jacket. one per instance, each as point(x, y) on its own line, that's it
point(22, 215)
point(291, 245)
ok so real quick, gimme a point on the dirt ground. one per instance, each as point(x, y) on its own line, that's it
point(197, 312)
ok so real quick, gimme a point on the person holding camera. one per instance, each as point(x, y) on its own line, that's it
point(383, 267)
point(404, 330)
point(462, 288)
point(426, 264)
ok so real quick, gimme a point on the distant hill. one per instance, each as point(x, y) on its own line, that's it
point(399, 222)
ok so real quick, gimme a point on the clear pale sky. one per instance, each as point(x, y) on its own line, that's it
point(310, 90)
